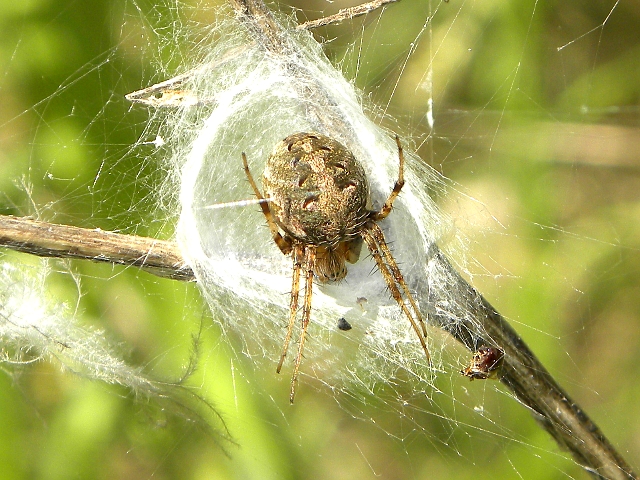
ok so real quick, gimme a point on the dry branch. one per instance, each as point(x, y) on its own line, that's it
point(44, 239)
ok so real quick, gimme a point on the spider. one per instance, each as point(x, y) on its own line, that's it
point(485, 363)
point(318, 211)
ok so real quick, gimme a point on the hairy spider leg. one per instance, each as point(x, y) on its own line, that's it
point(377, 234)
point(283, 243)
point(387, 265)
point(309, 262)
point(388, 205)
point(293, 306)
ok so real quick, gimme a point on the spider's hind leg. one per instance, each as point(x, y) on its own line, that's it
point(283, 243)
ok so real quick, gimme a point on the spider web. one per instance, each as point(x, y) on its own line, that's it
point(536, 208)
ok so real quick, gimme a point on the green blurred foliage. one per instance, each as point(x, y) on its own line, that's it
point(537, 126)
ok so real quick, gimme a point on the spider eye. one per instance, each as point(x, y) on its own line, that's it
point(290, 146)
point(325, 148)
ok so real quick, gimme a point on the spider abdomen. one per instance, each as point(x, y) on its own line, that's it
point(318, 191)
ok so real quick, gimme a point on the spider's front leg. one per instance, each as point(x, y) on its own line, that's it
point(388, 267)
point(308, 267)
point(304, 257)
point(297, 254)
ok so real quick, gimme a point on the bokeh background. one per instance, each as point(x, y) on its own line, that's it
point(537, 126)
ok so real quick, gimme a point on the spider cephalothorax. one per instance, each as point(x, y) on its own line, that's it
point(318, 196)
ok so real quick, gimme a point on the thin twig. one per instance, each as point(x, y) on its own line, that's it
point(345, 14)
point(44, 239)
point(175, 92)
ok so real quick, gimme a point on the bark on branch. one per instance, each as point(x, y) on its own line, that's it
point(44, 239)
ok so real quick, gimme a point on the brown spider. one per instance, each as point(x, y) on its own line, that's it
point(319, 197)
point(485, 363)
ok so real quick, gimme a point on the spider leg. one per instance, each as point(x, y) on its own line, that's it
point(386, 208)
point(309, 261)
point(283, 244)
point(293, 306)
point(377, 234)
point(374, 239)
